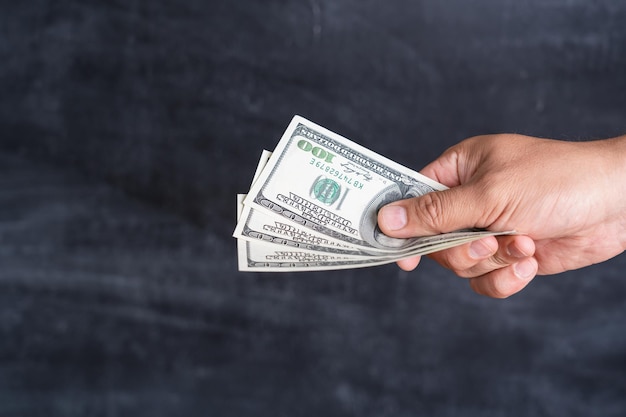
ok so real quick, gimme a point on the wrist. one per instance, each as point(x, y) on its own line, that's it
point(616, 159)
point(614, 154)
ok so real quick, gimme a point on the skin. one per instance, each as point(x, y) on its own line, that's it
point(566, 200)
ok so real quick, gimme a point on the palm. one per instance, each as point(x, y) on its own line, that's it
point(557, 255)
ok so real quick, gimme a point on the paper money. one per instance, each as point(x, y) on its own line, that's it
point(314, 201)
point(261, 256)
point(255, 254)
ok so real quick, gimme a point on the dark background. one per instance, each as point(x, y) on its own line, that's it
point(128, 127)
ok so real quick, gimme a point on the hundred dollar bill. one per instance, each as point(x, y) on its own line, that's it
point(262, 257)
point(270, 230)
point(258, 252)
point(280, 246)
point(319, 181)
point(260, 226)
point(257, 256)
point(255, 225)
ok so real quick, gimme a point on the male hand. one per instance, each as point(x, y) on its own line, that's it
point(567, 201)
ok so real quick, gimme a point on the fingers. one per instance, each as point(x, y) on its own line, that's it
point(504, 282)
point(409, 264)
point(497, 267)
point(485, 255)
point(445, 169)
point(457, 164)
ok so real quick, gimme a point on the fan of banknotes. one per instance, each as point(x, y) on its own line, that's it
point(313, 205)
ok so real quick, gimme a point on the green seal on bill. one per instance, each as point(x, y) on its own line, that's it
point(326, 190)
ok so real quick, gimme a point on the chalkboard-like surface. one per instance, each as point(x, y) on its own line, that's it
point(129, 127)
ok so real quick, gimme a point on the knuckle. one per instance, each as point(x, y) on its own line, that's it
point(491, 286)
point(429, 210)
point(491, 193)
point(498, 261)
point(456, 260)
point(500, 287)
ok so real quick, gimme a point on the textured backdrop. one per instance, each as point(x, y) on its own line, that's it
point(128, 127)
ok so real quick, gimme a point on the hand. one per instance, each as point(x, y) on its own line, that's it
point(567, 201)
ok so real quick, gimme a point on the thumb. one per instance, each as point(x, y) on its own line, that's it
point(433, 213)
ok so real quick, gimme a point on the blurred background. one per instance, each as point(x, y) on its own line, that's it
point(128, 127)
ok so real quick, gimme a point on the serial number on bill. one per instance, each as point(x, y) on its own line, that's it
point(323, 166)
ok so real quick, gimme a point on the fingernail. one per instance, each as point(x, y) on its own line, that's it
point(394, 217)
point(515, 252)
point(524, 269)
point(479, 250)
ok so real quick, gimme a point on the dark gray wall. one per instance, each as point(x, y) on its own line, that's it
point(127, 128)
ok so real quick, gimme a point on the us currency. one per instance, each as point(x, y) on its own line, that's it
point(260, 256)
point(261, 226)
point(255, 255)
point(319, 182)
point(268, 229)
point(254, 225)
point(282, 247)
